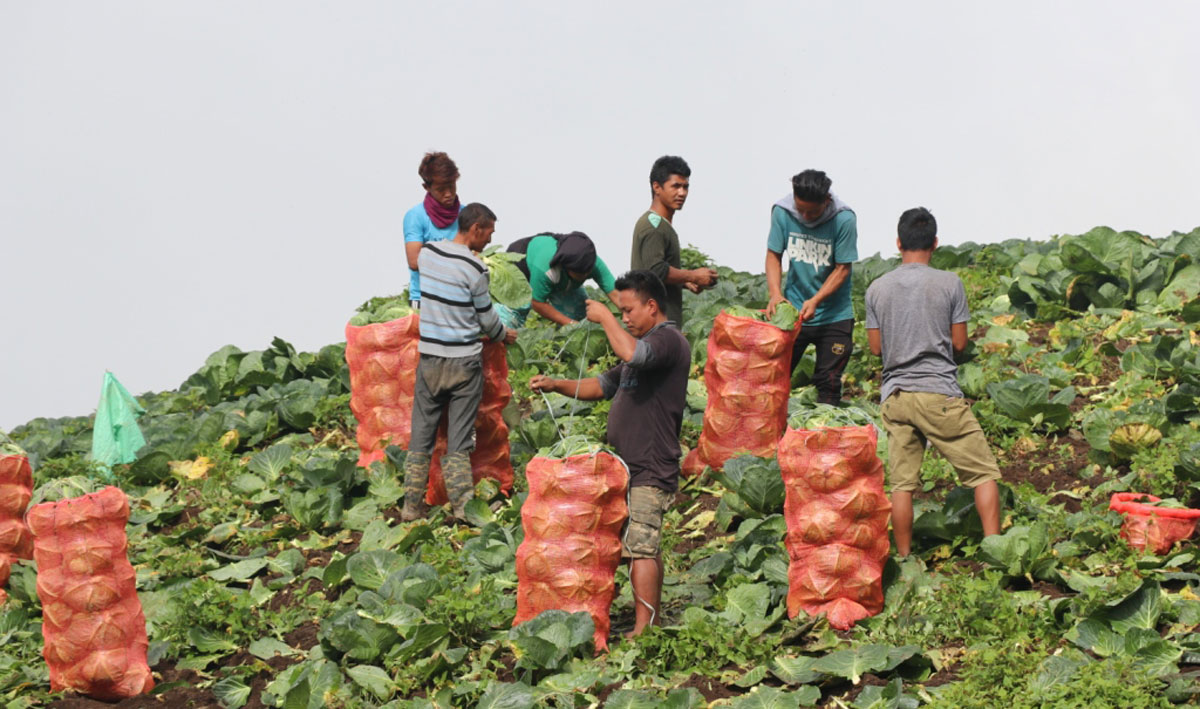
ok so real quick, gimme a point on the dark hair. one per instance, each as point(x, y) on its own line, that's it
point(475, 213)
point(666, 166)
point(646, 285)
point(811, 186)
point(917, 230)
point(437, 167)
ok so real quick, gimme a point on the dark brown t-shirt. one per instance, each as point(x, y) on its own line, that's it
point(648, 396)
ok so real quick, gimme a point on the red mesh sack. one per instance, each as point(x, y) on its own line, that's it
point(16, 487)
point(748, 384)
point(383, 362)
point(837, 519)
point(1150, 527)
point(572, 520)
point(93, 625)
point(383, 365)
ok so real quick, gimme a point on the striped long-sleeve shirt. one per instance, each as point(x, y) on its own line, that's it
point(455, 304)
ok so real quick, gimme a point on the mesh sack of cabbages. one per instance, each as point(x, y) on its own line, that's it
point(1149, 525)
point(93, 626)
point(383, 365)
point(16, 487)
point(572, 520)
point(748, 383)
point(837, 520)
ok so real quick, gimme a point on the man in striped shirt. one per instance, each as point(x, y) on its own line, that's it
point(456, 312)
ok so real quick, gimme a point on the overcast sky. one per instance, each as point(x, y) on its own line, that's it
point(177, 176)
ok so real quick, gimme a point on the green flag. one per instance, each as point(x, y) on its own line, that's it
point(116, 437)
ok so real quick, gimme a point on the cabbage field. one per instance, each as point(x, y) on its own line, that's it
point(273, 571)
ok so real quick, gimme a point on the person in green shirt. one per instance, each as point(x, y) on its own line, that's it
point(655, 243)
point(556, 266)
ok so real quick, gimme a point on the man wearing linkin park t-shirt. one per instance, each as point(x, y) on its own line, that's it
point(648, 390)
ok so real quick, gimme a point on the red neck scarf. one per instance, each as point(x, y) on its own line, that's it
point(441, 216)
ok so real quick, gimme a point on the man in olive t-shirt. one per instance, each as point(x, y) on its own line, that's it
point(655, 243)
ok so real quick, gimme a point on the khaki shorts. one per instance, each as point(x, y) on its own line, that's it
point(912, 418)
point(643, 530)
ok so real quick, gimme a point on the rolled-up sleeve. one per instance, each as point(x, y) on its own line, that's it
point(610, 381)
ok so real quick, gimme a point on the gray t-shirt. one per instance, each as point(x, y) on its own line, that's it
point(913, 307)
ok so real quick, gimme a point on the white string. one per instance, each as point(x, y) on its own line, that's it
point(587, 334)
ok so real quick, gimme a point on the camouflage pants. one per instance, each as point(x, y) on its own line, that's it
point(460, 483)
point(643, 530)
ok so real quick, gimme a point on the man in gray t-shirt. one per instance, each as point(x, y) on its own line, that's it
point(917, 320)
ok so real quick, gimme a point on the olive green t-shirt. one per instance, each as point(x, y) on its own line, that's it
point(656, 249)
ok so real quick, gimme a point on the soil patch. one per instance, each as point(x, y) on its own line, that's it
point(304, 638)
point(1038, 334)
point(1050, 468)
point(350, 546)
point(867, 680)
point(967, 566)
point(292, 595)
point(944, 676)
point(710, 688)
point(621, 618)
point(184, 519)
point(1049, 590)
point(259, 682)
point(508, 672)
point(188, 696)
point(705, 503)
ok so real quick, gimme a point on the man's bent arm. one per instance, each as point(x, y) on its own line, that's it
point(774, 269)
point(583, 389)
point(619, 339)
point(833, 281)
point(551, 313)
point(412, 249)
point(958, 336)
point(874, 342)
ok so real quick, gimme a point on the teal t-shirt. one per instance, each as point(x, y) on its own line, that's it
point(812, 253)
point(546, 281)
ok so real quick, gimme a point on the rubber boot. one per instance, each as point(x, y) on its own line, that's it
point(460, 483)
point(416, 480)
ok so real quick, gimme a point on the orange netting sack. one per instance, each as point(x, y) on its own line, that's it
point(92, 622)
point(837, 519)
point(383, 365)
point(572, 520)
point(1150, 527)
point(748, 383)
point(16, 487)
